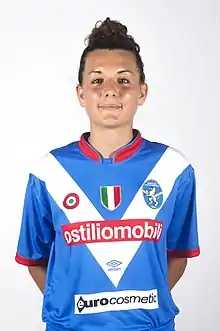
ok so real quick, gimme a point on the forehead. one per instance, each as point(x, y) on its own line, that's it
point(110, 59)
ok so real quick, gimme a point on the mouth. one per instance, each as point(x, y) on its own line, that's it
point(110, 107)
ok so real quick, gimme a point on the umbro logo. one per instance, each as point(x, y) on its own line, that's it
point(113, 263)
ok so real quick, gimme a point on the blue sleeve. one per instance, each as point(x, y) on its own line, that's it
point(182, 236)
point(37, 232)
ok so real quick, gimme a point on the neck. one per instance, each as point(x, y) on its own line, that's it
point(107, 141)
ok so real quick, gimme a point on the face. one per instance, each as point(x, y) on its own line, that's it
point(111, 91)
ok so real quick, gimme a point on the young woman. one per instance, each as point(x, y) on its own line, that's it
point(110, 220)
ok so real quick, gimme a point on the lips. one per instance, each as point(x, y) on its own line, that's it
point(110, 106)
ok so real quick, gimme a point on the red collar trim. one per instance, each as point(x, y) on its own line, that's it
point(120, 155)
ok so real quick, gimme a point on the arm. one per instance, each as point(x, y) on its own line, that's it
point(176, 268)
point(182, 235)
point(37, 232)
point(38, 273)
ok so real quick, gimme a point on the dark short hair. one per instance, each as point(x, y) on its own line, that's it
point(111, 34)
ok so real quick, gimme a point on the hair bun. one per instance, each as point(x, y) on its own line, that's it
point(107, 30)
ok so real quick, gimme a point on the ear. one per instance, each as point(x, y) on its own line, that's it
point(143, 94)
point(79, 92)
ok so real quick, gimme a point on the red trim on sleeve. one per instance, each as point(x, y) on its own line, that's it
point(186, 253)
point(22, 260)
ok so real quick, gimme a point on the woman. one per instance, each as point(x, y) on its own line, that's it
point(109, 221)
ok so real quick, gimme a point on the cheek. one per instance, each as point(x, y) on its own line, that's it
point(130, 95)
point(92, 94)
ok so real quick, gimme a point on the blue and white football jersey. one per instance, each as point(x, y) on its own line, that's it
point(104, 227)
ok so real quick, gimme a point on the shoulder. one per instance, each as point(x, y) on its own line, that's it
point(69, 149)
point(47, 163)
point(169, 157)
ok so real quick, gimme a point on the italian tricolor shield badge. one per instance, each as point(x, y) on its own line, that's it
point(111, 196)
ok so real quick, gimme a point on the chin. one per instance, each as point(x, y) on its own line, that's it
point(112, 124)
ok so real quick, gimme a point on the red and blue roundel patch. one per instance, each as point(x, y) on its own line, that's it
point(71, 201)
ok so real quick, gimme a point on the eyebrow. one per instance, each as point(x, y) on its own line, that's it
point(119, 72)
point(125, 71)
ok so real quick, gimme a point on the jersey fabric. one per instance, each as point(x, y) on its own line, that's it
point(104, 227)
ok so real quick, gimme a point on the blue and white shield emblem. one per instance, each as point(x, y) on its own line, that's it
point(153, 194)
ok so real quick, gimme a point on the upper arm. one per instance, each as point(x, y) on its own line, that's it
point(182, 236)
point(36, 232)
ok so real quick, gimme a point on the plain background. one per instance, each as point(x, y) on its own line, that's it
point(41, 44)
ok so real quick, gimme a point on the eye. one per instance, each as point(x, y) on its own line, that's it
point(97, 81)
point(123, 81)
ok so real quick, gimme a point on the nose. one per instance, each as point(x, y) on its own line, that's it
point(110, 90)
point(110, 93)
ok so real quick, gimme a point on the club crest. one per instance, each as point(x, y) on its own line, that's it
point(153, 194)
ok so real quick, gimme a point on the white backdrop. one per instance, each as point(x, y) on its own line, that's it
point(42, 41)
